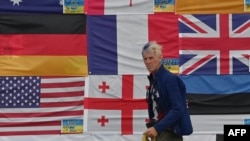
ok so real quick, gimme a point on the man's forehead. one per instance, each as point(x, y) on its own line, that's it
point(148, 54)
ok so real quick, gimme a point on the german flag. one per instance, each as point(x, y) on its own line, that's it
point(43, 45)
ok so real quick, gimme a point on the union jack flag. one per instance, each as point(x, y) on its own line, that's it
point(214, 44)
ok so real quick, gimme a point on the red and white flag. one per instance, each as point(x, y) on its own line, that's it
point(37, 105)
point(113, 7)
point(115, 104)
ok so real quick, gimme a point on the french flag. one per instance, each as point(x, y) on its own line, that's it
point(115, 41)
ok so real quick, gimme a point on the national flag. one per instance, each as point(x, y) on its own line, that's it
point(35, 105)
point(214, 94)
point(116, 104)
point(209, 7)
point(31, 6)
point(216, 100)
point(115, 41)
point(73, 6)
point(214, 44)
point(164, 5)
point(43, 45)
point(113, 7)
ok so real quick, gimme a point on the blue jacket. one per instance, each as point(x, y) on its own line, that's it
point(173, 98)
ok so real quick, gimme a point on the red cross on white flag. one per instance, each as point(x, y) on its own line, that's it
point(113, 7)
point(120, 109)
point(103, 87)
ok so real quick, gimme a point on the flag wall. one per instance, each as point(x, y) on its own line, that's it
point(48, 45)
point(114, 106)
point(115, 41)
point(36, 105)
point(210, 6)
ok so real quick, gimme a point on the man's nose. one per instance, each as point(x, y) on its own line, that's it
point(147, 61)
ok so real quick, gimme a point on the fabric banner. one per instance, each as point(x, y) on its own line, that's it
point(115, 42)
point(111, 7)
point(214, 94)
point(116, 104)
point(101, 137)
point(217, 100)
point(48, 45)
point(35, 105)
point(214, 44)
point(42, 6)
point(210, 6)
point(214, 123)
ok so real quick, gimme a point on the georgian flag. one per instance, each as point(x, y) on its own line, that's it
point(116, 104)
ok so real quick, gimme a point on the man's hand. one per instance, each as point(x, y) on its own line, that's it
point(151, 132)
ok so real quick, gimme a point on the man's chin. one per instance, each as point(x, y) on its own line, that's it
point(151, 71)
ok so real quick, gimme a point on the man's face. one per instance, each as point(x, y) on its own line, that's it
point(151, 61)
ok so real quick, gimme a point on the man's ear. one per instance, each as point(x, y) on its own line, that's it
point(160, 56)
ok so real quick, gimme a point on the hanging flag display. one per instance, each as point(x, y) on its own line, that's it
point(214, 44)
point(116, 104)
point(43, 6)
point(115, 42)
point(47, 45)
point(35, 105)
point(213, 94)
point(216, 100)
point(116, 7)
point(210, 6)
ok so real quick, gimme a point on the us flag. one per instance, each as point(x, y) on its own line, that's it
point(37, 105)
point(214, 44)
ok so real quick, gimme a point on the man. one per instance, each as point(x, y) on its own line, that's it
point(166, 98)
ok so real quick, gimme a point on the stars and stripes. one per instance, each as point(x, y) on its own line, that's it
point(36, 105)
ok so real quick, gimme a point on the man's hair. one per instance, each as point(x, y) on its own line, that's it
point(152, 46)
